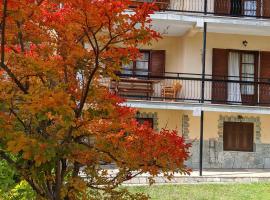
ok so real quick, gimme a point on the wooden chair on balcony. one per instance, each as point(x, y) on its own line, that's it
point(170, 90)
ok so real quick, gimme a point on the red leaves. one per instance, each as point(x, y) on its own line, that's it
point(139, 146)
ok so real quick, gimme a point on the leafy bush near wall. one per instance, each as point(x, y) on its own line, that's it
point(21, 191)
point(11, 188)
point(7, 176)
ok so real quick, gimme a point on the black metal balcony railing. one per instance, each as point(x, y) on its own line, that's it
point(239, 8)
point(184, 87)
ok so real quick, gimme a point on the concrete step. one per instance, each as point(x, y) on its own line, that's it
point(143, 180)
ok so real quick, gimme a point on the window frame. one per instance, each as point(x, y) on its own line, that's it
point(238, 137)
point(239, 8)
point(248, 10)
point(250, 97)
point(133, 70)
point(142, 120)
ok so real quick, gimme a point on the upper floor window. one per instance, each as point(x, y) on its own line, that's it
point(140, 66)
point(248, 73)
point(150, 63)
point(244, 7)
point(250, 8)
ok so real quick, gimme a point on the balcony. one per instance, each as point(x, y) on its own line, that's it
point(233, 8)
point(183, 87)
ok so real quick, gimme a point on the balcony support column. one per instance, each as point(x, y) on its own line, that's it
point(202, 96)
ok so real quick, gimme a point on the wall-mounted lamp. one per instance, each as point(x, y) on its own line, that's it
point(245, 43)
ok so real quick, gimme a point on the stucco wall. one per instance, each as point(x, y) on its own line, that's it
point(211, 125)
point(183, 54)
point(214, 156)
point(171, 119)
point(192, 46)
point(174, 48)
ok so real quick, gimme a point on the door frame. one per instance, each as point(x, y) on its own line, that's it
point(254, 99)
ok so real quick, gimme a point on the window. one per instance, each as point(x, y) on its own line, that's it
point(244, 7)
point(247, 73)
point(151, 63)
point(140, 66)
point(250, 8)
point(147, 120)
point(242, 66)
point(238, 136)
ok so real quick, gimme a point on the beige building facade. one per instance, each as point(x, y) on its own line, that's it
point(230, 98)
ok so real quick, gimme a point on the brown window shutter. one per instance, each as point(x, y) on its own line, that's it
point(157, 63)
point(266, 8)
point(219, 72)
point(229, 136)
point(246, 136)
point(238, 136)
point(264, 97)
point(222, 7)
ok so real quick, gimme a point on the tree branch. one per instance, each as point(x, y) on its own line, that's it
point(58, 181)
point(19, 119)
point(3, 42)
point(3, 28)
point(89, 80)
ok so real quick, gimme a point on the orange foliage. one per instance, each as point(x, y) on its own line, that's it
point(58, 124)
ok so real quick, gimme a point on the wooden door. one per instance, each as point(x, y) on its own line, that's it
point(157, 63)
point(264, 89)
point(220, 75)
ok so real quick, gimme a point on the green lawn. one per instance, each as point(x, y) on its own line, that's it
point(258, 191)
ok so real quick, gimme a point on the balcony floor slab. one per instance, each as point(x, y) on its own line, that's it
point(171, 105)
point(217, 24)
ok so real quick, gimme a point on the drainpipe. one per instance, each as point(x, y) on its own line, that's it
point(202, 96)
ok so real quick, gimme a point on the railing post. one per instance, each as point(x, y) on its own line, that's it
point(205, 6)
point(202, 95)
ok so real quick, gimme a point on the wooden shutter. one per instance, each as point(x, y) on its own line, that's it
point(219, 72)
point(238, 136)
point(264, 95)
point(266, 8)
point(157, 63)
point(222, 7)
point(230, 136)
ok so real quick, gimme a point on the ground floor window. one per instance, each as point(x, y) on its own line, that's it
point(150, 121)
point(238, 136)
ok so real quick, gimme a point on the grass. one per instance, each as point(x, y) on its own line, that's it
point(255, 191)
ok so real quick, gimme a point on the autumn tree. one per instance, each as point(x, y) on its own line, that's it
point(59, 123)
